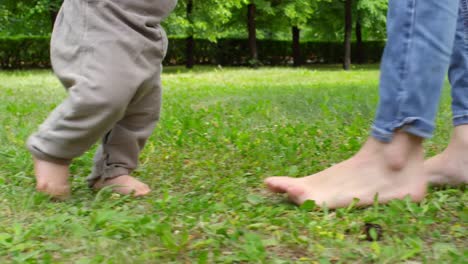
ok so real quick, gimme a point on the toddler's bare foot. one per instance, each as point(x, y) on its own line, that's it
point(451, 166)
point(391, 171)
point(125, 185)
point(52, 178)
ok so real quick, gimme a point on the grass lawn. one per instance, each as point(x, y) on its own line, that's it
point(222, 132)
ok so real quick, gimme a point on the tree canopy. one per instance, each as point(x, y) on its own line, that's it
point(213, 19)
point(296, 20)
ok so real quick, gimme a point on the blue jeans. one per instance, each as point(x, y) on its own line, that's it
point(425, 39)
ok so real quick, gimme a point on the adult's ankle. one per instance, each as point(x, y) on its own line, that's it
point(402, 150)
point(460, 136)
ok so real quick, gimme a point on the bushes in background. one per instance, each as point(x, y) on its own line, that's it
point(235, 52)
point(33, 52)
point(20, 52)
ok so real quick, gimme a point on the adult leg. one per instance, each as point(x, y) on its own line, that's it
point(390, 164)
point(451, 166)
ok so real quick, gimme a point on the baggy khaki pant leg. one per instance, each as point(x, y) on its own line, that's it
point(108, 56)
point(118, 154)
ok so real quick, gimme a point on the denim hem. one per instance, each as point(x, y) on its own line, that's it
point(461, 119)
point(381, 135)
point(412, 125)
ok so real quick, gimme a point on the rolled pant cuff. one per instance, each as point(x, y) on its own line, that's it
point(460, 119)
point(108, 172)
point(414, 126)
point(33, 146)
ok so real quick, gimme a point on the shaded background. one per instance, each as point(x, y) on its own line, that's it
point(225, 32)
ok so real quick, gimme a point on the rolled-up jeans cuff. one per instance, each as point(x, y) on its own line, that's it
point(411, 125)
point(33, 146)
point(460, 119)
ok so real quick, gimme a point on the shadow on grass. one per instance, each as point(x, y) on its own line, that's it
point(211, 68)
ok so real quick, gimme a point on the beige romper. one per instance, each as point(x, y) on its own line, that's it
point(107, 54)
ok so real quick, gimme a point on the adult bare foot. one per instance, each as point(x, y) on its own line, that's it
point(125, 185)
point(52, 179)
point(451, 166)
point(390, 171)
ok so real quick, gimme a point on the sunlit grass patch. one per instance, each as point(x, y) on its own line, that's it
point(221, 133)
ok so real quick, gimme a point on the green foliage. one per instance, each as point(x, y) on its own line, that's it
point(234, 52)
point(320, 20)
point(372, 14)
point(23, 52)
point(296, 12)
point(222, 132)
point(327, 22)
point(206, 21)
point(27, 17)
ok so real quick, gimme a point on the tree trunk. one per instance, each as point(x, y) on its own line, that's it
point(190, 42)
point(359, 46)
point(252, 34)
point(190, 46)
point(296, 34)
point(348, 32)
point(53, 15)
point(54, 7)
